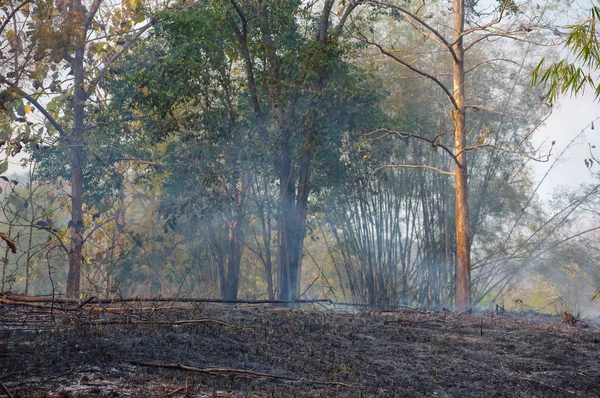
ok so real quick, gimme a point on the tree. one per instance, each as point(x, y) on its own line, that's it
point(301, 72)
point(85, 39)
point(392, 227)
point(482, 27)
point(313, 94)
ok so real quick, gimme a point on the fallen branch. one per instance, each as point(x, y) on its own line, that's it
point(28, 299)
point(232, 371)
point(23, 304)
point(183, 322)
point(95, 309)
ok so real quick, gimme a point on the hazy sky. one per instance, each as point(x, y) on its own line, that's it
point(570, 120)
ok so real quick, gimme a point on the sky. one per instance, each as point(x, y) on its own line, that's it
point(571, 120)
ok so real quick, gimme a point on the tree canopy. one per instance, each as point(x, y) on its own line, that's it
point(361, 151)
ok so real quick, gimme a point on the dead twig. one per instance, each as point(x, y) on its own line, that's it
point(232, 371)
point(180, 389)
point(6, 391)
point(9, 242)
point(407, 321)
point(572, 392)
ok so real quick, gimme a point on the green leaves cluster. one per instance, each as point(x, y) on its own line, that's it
point(565, 76)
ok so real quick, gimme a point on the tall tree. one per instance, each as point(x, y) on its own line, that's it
point(457, 42)
point(85, 39)
point(298, 73)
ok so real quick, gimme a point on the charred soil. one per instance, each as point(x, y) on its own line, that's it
point(217, 351)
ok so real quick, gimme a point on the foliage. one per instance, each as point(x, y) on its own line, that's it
point(565, 76)
point(233, 140)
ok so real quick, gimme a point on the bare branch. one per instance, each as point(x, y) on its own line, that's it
point(115, 56)
point(414, 166)
point(542, 121)
point(541, 159)
point(421, 22)
point(506, 35)
point(490, 61)
point(92, 13)
point(244, 372)
point(434, 143)
point(35, 103)
point(12, 14)
point(416, 70)
point(487, 25)
point(338, 28)
point(501, 113)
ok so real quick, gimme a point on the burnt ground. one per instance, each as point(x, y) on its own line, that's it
point(217, 351)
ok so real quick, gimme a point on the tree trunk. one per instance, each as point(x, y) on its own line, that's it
point(235, 240)
point(287, 222)
point(463, 245)
point(301, 214)
point(28, 255)
point(75, 141)
point(294, 203)
point(234, 255)
point(264, 214)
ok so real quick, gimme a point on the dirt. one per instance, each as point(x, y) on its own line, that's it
point(218, 351)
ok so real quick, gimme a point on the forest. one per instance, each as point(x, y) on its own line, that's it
point(374, 153)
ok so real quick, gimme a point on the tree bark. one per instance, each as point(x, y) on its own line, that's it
point(234, 255)
point(463, 245)
point(266, 235)
point(287, 222)
point(75, 141)
point(235, 240)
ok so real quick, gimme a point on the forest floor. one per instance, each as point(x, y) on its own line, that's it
point(251, 351)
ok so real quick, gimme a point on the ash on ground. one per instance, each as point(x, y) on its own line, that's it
point(216, 351)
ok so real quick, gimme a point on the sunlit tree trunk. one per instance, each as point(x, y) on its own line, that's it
point(463, 245)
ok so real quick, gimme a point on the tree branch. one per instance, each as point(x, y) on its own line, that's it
point(487, 25)
point(414, 166)
point(342, 22)
point(505, 35)
point(127, 118)
point(421, 22)
point(416, 70)
point(433, 141)
point(541, 159)
point(92, 13)
point(35, 103)
point(12, 14)
point(110, 60)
